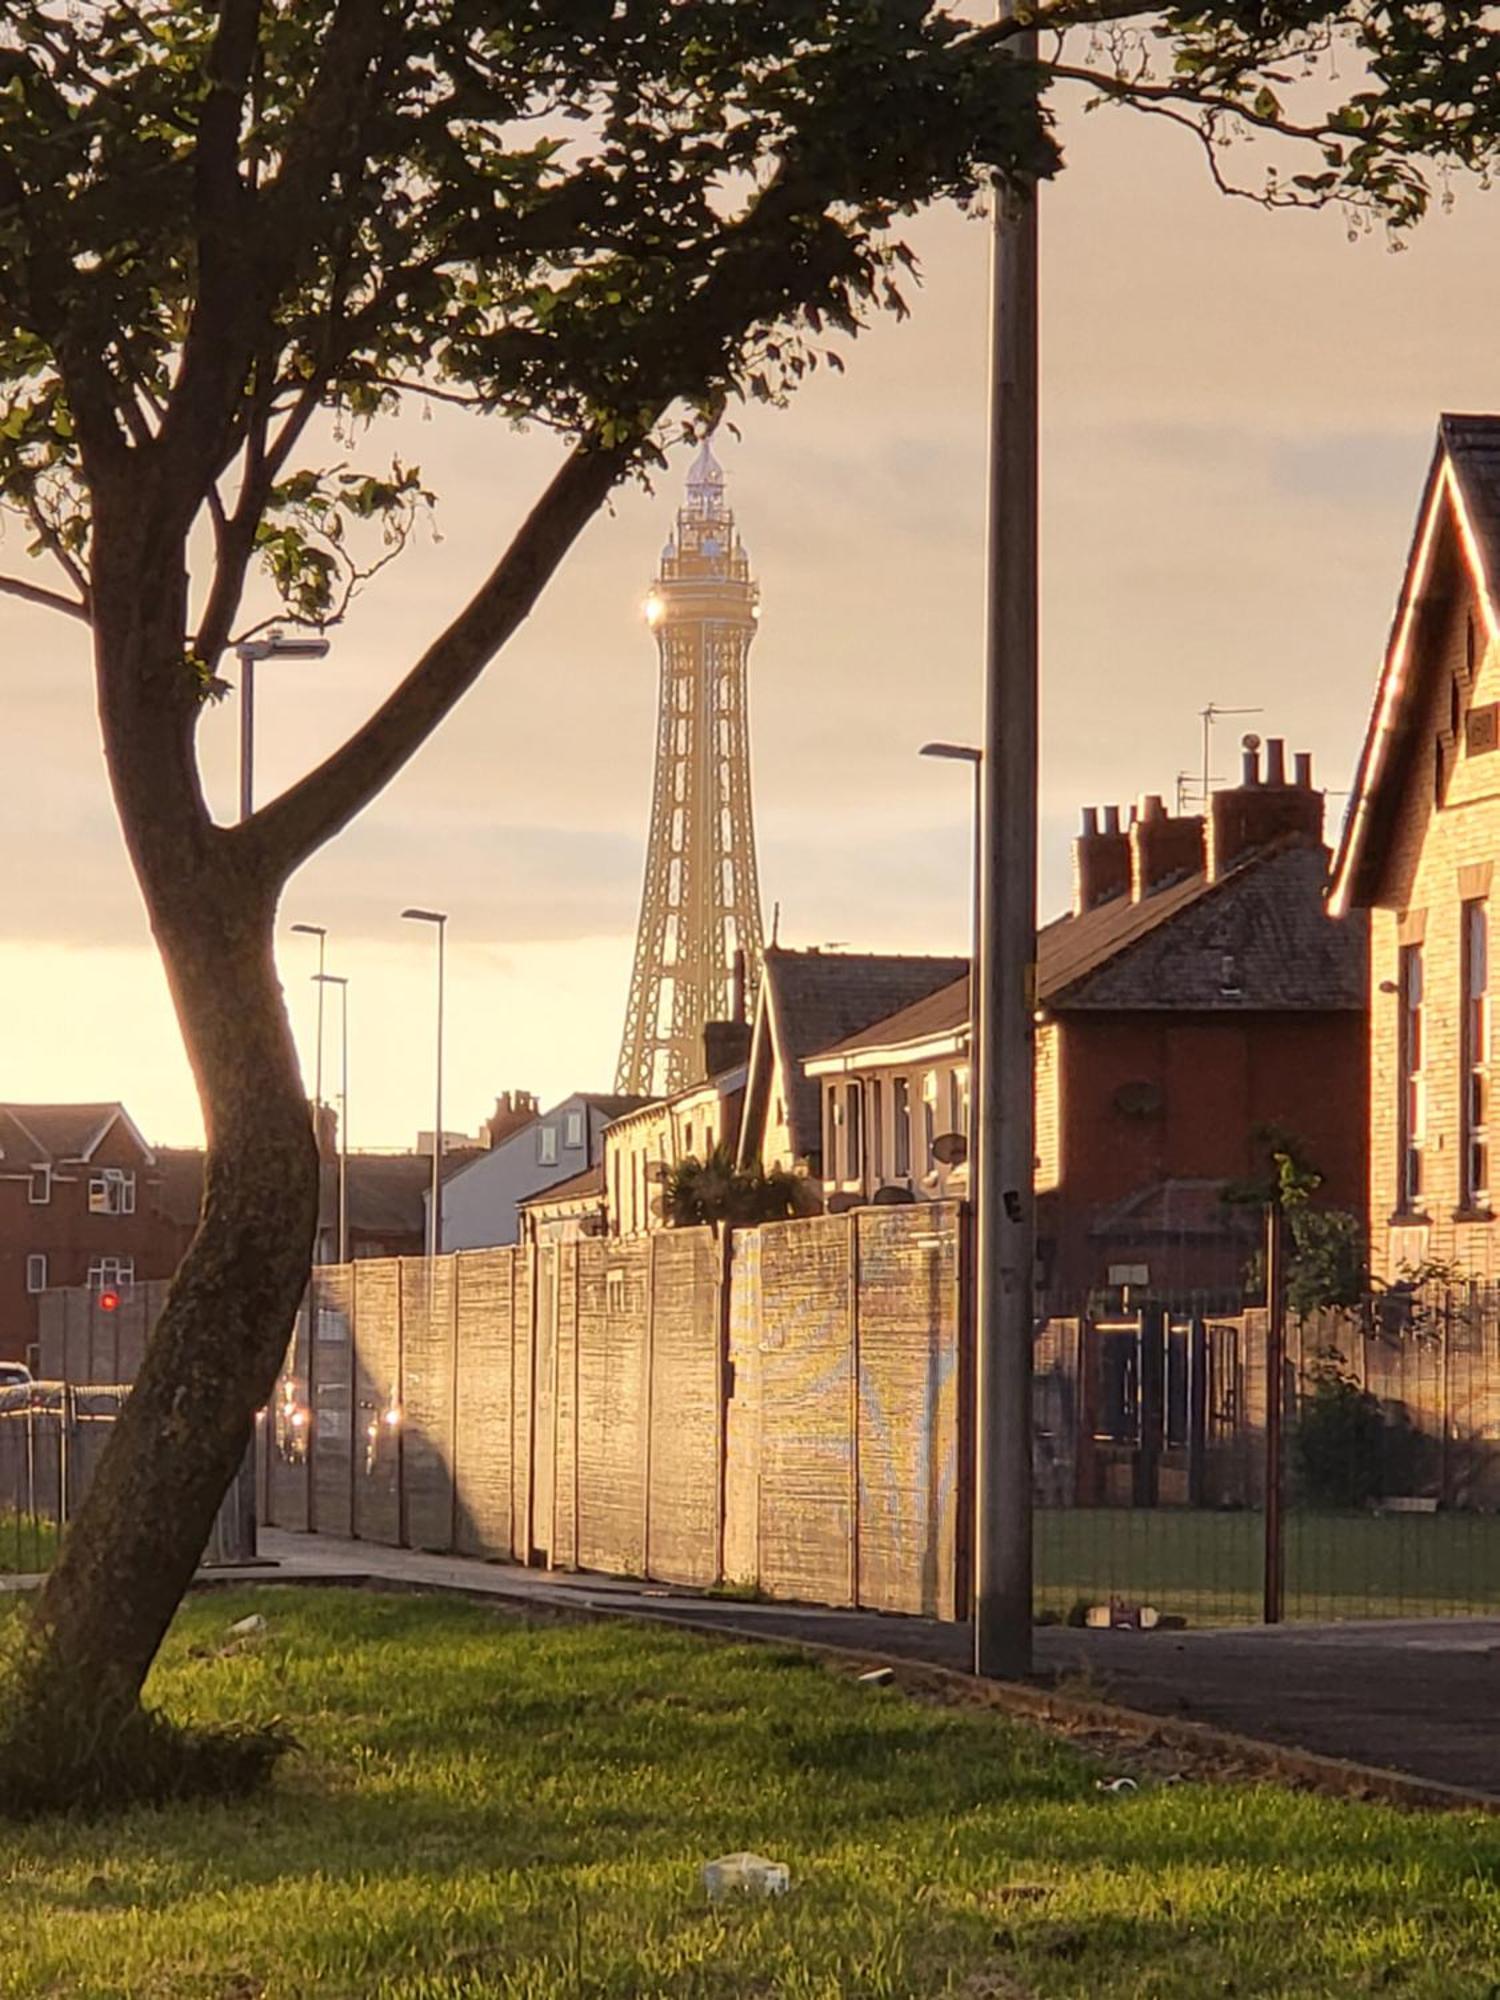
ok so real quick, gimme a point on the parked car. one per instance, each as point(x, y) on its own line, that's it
point(14, 1374)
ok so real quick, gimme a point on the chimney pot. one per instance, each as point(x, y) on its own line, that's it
point(1111, 819)
point(1276, 760)
point(1153, 807)
point(1090, 821)
point(1250, 765)
point(1304, 770)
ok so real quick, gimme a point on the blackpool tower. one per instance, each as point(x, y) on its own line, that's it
point(701, 901)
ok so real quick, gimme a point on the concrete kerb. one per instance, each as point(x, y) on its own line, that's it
point(1054, 1709)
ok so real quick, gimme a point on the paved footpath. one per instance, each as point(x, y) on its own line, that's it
point(1420, 1696)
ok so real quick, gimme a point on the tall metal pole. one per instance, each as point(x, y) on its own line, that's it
point(1007, 957)
point(247, 731)
point(437, 1141)
point(344, 1130)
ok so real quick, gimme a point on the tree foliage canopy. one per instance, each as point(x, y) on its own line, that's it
point(218, 220)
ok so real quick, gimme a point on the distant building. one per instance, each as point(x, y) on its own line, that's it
point(1419, 852)
point(642, 1147)
point(809, 1001)
point(1196, 995)
point(81, 1203)
point(481, 1200)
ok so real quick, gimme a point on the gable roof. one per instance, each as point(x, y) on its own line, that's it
point(1462, 491)
point(1263, 923)
point(577, 1187)
point(814, 999)
point(69, 1131)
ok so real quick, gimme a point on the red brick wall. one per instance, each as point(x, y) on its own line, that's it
point(1148, 1097)
point(68, 1235)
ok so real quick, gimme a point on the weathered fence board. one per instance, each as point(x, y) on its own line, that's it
point(485, 1280)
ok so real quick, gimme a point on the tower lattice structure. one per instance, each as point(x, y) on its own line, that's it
point(701, 901)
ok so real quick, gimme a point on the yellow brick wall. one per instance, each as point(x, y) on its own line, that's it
point(1432, 842)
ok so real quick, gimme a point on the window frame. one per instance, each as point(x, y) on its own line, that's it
point(854, 1125)
point(1411, 1097)
point(35, 1258)
point(40, 1173)
point(573, 1122)
point(111, 1191)
point(547, 1145)
point(108, 1273)
point(901, 1127)
point(1475, 1044)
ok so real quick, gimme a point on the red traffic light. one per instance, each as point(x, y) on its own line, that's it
point(109, 1302)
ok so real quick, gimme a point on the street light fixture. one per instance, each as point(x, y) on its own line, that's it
point(435, 1219)
point(969, 753)
point(322, 979)
point(271, 646)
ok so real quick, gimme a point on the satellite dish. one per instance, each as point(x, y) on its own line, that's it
point(950, 1149)
point(1250, 741)
point(892, 1197)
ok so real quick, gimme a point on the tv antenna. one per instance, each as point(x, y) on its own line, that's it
point(1209, 716)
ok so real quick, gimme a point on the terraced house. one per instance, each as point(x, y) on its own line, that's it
point(1419, 851)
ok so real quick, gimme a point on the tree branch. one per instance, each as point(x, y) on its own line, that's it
point(50, 600)
point(293, 826)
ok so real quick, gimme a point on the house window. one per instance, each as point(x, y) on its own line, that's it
point(40, 1189)
point(36, 1271)
point(546, 1145)
point(901, 1126)
point(929, 1117)
point(853, 1135)
point(831, 1132)
point(877, 1130)
point(1412, 1106)
point(112, 1192)
point(1476, 1053)
point(573, 1130)
point(108, 1273)
point(957, 1109)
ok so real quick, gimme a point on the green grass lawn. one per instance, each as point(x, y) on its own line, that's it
point(484, 1807)
point(27, 1545)
point(1207, 1566)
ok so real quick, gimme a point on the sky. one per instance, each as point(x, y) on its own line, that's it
point(1238, 413)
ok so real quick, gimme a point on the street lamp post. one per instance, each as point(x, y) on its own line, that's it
point(273, 646)
point(1005, 1258)
point(341, 982)
point(435, 1220)
point(320, 932)
point(968, 753)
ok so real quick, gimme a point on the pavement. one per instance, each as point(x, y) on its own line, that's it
point(1414, 1696)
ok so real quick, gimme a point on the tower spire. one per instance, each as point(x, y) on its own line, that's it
point(700, 903)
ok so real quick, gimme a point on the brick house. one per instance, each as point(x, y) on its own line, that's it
point(807, 1001)
point(1419, 849)
point(1195, 994)
point(82, 1202)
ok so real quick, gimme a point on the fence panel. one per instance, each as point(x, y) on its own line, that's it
point(333, 1420)
point(77, 1335)
point(483, 1283)
point(377, 1319)
point(613, 1406)
point(742, 1418)
point(807, 1502)
point(907, 1262)
point(427, 1402)
point(686, 1390)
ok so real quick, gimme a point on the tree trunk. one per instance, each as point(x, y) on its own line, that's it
point(213, 1357)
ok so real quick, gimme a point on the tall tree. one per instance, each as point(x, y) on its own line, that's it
point(219, 221)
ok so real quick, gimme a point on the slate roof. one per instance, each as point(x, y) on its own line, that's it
point(65, 1131)
point(611, 1107)
point(577, 1187)
point(1178, 1209)
point(1258, 939)
point(820, 998)
point(386, 1190)
point(1464, 481)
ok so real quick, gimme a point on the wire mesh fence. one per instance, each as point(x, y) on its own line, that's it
point(52, 1435)
point(1156, 1457)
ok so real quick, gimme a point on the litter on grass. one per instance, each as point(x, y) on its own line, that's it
point(745, 1875)
point(246, 1628)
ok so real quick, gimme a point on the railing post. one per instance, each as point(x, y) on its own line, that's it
point(1275, 1365)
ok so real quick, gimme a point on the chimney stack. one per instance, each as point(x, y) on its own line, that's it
point(514, 1110)
point(1163, 849)
point(1101, 861)
point(1259, 811)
